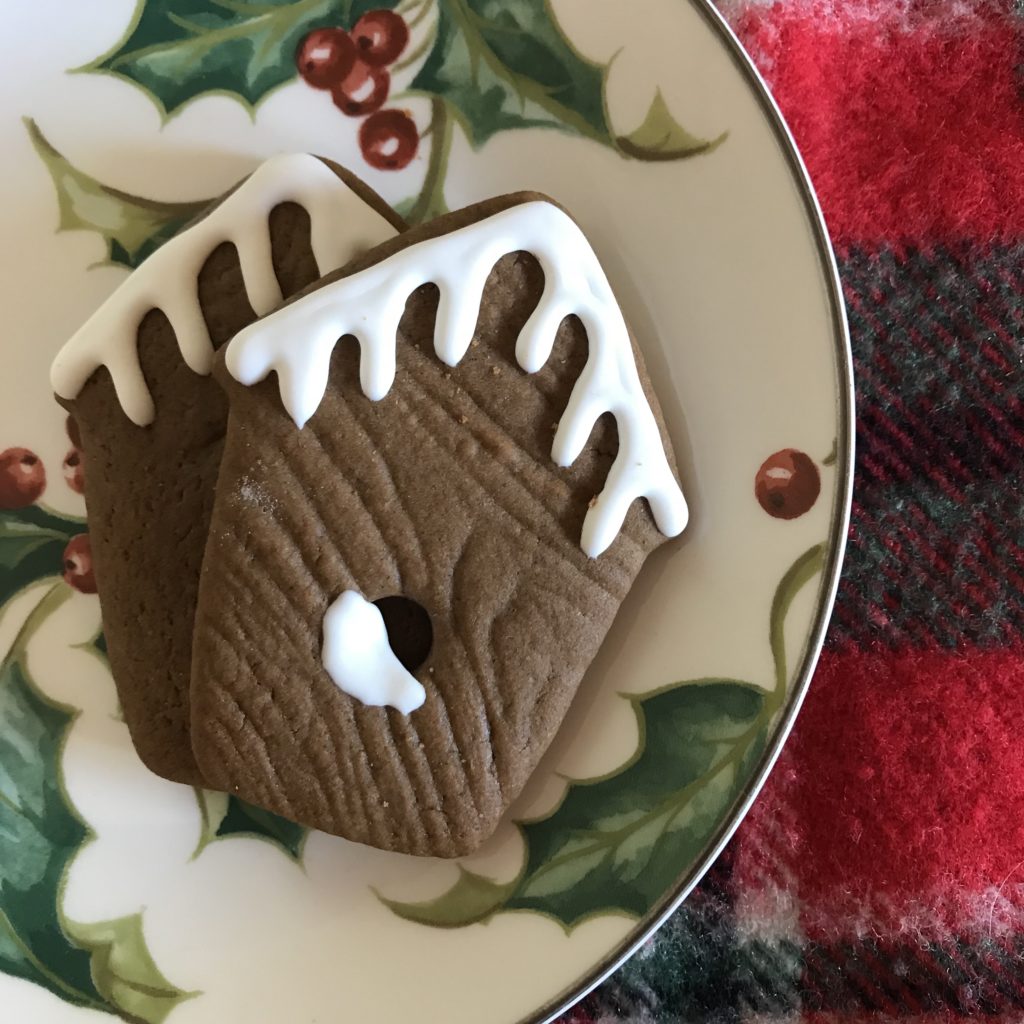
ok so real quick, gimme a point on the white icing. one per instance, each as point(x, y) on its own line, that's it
point(342, 226)
point(297, 342)
point(358, 657)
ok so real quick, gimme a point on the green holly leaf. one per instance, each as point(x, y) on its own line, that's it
point(471, 898)
point(177, 50)
point(131, 226)
point(618, 843)
point(124, 972)
point(662, 137)
point(505, 64)
point(39, 834)
point(32, 543)
point(224, 815)
point(103, 966)
point(245, 819)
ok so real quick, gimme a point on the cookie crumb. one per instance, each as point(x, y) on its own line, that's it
point(252, 493)
point(495, 370)
point(463, 419)
point(475, 343)
point(593, 501)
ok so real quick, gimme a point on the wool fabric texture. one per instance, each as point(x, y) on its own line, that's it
point(880, 875)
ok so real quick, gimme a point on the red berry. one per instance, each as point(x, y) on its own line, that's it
point(74, 436)
point(74, 471)
point(380, 36)
point(22, 478)
point(78, 564)
point(787, 484)
point(388, 139)
point(363, 90)
point(325, 57)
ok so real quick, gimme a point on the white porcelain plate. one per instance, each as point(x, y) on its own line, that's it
point(124, 895)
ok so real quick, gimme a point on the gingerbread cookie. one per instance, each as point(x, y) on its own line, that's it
point(419, 541)
point(152, 420)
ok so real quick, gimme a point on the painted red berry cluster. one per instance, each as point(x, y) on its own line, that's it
point(354, 67)
point(22, 483)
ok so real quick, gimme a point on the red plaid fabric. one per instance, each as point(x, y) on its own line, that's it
point(881, 874)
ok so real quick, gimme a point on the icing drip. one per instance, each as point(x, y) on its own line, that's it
point(342, 226)
point(358, 657)
point(297, 342)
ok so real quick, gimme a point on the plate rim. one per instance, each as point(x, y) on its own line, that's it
point(839, 524)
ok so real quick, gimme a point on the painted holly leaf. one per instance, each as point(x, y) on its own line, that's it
point(124, 971)
point(244, 819)
point(38, 836)
point(103, 966)
point(661, 137)
point(178, 50)
point(504, 64)
point(224, 815)
point(131, 226)
point(618, 843)
point(32, 543)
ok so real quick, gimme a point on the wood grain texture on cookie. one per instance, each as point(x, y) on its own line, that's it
point(444, 492)
point(149, 489)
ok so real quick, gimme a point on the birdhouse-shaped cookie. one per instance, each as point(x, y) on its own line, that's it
point(443, 468)
point(136, 378)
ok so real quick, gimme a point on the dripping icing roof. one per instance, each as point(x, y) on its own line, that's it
point(343, 225)
point(297, 340)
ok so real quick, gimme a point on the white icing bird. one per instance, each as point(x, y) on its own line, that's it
point(359, 658)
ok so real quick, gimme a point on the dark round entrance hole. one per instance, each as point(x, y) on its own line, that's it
point(409, 631)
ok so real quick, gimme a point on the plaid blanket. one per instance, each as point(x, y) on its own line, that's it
point(880, 876)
